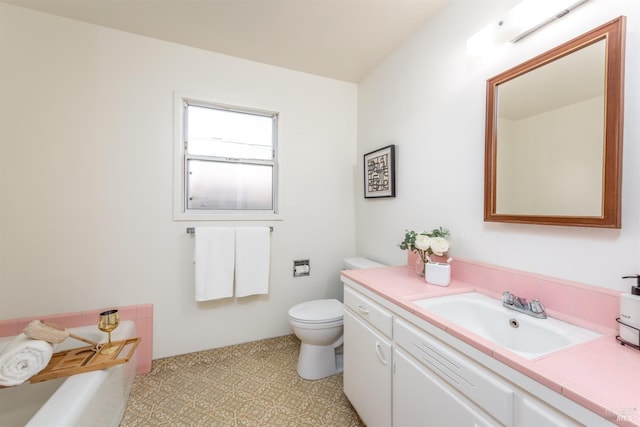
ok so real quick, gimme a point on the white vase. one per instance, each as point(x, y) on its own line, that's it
point(437, 273)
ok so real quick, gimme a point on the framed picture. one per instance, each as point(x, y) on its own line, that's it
point(380, 173)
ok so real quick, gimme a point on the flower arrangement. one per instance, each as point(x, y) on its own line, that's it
point(426, 244)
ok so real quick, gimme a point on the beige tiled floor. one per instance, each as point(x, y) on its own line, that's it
point(253, 384)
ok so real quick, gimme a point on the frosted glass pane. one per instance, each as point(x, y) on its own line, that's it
point(229, 186)
point(221, 133)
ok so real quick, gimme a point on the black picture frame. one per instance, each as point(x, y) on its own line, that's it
point(380, 173)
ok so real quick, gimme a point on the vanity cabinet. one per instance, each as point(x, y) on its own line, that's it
point(367, 359)
point(399, 374)
point(502, 402)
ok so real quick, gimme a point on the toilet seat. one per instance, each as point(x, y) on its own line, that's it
point(317, 311)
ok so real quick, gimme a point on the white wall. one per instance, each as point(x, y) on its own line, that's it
point(86, 140)
point(428, 98)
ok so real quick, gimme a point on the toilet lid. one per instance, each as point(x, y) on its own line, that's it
point(318, 311)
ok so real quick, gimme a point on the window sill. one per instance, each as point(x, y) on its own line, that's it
point(182, 216)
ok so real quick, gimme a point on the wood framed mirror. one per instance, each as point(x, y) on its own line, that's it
point(553, 142)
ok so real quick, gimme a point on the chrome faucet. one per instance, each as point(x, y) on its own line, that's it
point(533, 308)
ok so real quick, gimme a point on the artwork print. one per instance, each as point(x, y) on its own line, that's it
point(379, 173)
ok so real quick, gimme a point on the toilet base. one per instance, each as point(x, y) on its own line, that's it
point(317, 362)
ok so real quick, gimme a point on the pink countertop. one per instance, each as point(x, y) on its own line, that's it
point(601, 374)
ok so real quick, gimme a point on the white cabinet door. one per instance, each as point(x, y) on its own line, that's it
point(367, 372)
point(420, 398)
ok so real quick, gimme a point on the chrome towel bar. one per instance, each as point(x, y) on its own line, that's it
point(192, 230)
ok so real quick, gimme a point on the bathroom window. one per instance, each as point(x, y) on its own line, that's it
point(229, 161)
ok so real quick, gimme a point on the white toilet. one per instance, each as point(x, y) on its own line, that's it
point(318, 325)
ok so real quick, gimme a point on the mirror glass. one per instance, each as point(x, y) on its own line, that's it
point(553, 142)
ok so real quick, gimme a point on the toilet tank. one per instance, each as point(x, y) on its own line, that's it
point(357, 263)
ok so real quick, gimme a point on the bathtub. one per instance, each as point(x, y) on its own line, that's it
point(96, 398)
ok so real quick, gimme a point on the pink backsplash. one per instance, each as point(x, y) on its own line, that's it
point(592, 304)
point(142, 315)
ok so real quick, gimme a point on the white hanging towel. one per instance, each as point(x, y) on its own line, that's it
point(214, 262)
point(253, 258)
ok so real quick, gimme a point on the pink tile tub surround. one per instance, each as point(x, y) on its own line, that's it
point(601, 374)
point(142, 315)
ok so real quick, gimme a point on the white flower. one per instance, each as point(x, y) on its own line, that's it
point(422, 242)
point(426, 244)
point(439, 245)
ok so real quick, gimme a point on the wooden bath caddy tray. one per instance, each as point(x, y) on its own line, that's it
point(86, 359)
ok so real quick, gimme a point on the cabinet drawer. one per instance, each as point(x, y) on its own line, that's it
point(474, 381)
point(369, 311)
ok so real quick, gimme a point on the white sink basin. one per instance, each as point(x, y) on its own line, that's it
point(520, 333)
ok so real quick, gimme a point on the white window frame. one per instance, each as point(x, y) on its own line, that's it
point(180, 211)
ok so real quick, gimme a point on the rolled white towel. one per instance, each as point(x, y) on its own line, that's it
point(22, 358)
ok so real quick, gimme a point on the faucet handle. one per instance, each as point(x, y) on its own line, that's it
point(536, 306)
point(507, 297)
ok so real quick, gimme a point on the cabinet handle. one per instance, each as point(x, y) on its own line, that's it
point(362, 309)
point(380, 354)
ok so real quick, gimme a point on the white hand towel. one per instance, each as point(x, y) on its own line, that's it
point(22, 358)
point(253, 258)
point(214, 258)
